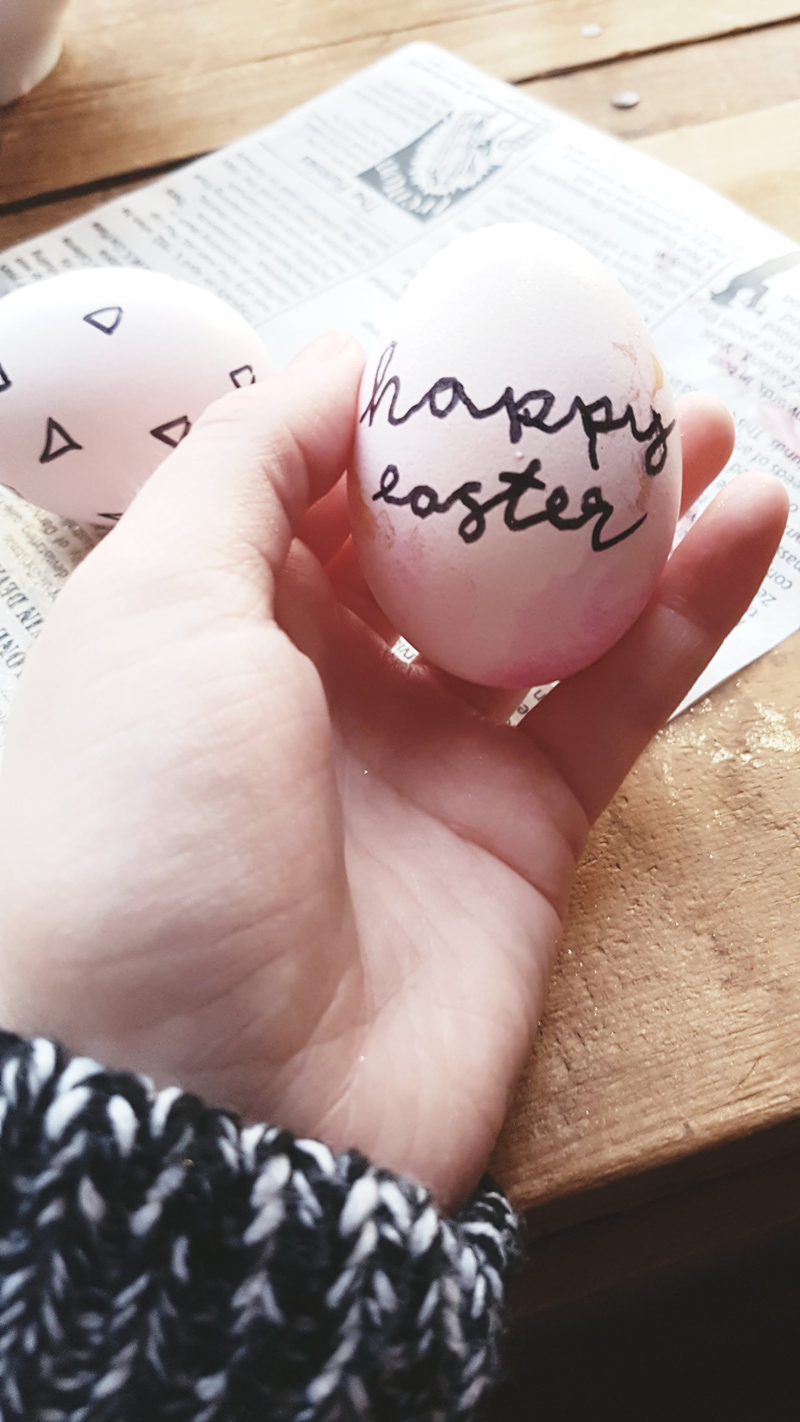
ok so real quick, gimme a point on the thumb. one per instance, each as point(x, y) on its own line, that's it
point(232, 495)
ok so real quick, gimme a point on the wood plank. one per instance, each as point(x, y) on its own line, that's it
point(596, 1263)
point(140, 86)
point(752, 158)
point(135, 40)
point(673, 1022)
point(688, 85)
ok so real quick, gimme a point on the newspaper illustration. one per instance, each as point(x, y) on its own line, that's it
point(323, 218)
point(447, 162)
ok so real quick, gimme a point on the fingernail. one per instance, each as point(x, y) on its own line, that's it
point(330, 343)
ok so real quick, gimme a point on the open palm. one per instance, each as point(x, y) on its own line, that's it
point(245, 849)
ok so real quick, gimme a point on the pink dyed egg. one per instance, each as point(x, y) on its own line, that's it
point(517, 471)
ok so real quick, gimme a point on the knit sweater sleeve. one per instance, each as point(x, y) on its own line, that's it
point(160, 1260)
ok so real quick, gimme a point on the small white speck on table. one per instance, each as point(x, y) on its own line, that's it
point(625, 99)
point(591, 31)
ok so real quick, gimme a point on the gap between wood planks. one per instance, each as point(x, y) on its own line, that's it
point(559, 71)
point(668, 47)
point(97, 185)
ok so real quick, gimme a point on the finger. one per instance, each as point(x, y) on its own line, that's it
point(325, 526)
point(595, 724)
point(707, 436)
point(237, 488)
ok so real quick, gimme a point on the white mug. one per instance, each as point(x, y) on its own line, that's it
point(30, 44)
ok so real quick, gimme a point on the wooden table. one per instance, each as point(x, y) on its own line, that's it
point(659, 1117)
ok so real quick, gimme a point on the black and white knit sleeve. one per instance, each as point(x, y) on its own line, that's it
point(158, 1260)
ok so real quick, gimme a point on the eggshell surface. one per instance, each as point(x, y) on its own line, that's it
point(516, 479)
point(103, 372)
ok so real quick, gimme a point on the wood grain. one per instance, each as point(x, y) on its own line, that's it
point(131, 40)
point(673, 1023)
point(139, 86)
point(753, 158)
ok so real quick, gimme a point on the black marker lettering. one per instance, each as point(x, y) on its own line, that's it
point(424, 501)
point(529, 411)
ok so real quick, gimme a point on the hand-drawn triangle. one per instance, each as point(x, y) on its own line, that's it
point(243, 375)
point(105, 319)
point(52, 449)
point(5, 380)
point(173, 431)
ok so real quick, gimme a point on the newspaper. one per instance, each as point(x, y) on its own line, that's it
point(322, 218)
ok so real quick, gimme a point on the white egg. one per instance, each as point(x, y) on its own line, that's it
point(103, 372)
point(517, 471)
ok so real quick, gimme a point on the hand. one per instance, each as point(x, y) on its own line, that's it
point(248, 851)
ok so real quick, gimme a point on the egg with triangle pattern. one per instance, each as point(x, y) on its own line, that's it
point(103, 372)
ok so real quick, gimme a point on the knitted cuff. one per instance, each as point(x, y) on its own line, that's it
point(159, 1260)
